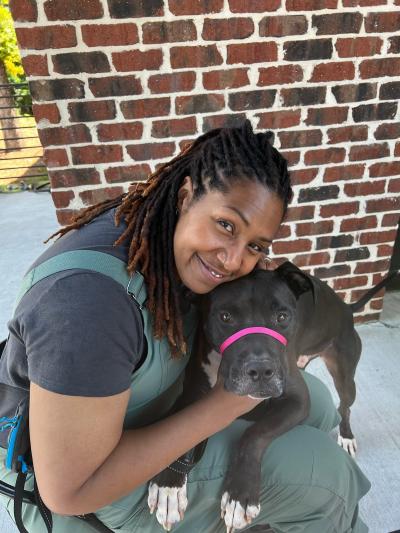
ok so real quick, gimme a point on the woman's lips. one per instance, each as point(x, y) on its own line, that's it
point(210, 273)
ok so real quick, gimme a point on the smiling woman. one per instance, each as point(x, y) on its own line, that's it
point(104, 363)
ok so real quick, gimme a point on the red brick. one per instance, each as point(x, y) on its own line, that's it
point(295, 139)
point(367, 267)
point(335, 210)
point(146, 107)
point(222, 121)
point(349, 283)
point(253, 6)
point(370, 317)
point(389, 21)
point(24, 10)
point(133, 60)
point(147, 152)
point(394, 186)
point(127, 173)
point(73, 9)
point(359, 46)
point(314, 228)
point(62, 198)
point(394, 44)
point(90, 111)
point(364, 189)
point(337, 23)
point(79, 133)
point(384, 250)
point(56, 157)
point(226, 29)
point(47, 112)
point(199, 103)
point(95, 154)
point(324, 156)
point(292, 158)
point(279, 119)
point(195, 7)
point(357, 224)
point(124, 9)
point(391, 219)
point(225, 79)
point(302, 212)
point(195, 56)
point(378, 68)
point(310, 5)
point(384, 169)
point(371, 151)
point(303, 176)
point(35, 65)
point(378, 236)
point(95, 196)
point(397, 150)
point(119, 131)
point(283, 26)
point(115, 86)
point(78, 62)
point(383, 204)
point(331, 71)
point(73, 177)
point(252, 52)
point(172, 83)
point(66, 216)
point(376, 304)
point(245, 100)
point(305, 260)
point(284, 232)
point(169, 32)
point(44, 37)
point(174, 127)
point(109, 34)
point(280, 75)
point(347, 134)
point(326, 115)
point(345, 172)
point(290, 247)
point(387, 131)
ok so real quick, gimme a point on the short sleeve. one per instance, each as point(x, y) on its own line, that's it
point(83, 334)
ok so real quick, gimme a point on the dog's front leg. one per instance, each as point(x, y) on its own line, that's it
point(240, 502)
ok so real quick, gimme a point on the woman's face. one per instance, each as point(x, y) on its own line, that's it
point(222, 236)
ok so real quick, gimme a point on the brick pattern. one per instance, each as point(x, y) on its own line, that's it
point(120, 86)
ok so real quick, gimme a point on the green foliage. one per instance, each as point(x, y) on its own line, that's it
point(11, 59)
point(9, 53)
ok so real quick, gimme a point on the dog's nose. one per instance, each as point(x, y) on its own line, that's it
point(259, 371)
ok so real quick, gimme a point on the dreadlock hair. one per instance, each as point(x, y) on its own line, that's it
point(214, 160)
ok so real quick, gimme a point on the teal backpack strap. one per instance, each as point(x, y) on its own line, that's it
point(103, 263)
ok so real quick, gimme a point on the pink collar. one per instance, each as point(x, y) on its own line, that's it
point(247, 331)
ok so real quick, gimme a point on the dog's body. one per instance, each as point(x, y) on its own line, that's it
point(286, 304)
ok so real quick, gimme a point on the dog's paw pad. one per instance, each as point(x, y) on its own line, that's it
point(349, 445)
point(170, 504)
point(235, 515)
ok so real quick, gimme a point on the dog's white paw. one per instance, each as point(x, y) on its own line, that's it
point(235, 516)
point(170, 504)
point(349, 445)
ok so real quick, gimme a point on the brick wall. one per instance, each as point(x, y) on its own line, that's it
point(120, 85)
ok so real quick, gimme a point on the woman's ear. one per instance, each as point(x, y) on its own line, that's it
point(185, 194)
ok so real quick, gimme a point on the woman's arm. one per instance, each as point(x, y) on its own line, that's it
point(83, 458)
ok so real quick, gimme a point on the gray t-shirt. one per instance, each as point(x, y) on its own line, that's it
point(76, 332)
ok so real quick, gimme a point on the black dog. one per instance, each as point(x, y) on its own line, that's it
point(263, 324)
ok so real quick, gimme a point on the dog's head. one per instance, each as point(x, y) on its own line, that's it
point(252, 322)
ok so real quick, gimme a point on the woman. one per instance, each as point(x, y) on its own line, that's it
point(103, 372)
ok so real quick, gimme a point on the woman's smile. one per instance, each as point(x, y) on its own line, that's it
point(211, 274)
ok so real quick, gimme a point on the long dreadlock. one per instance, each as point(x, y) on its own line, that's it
point(215, 159)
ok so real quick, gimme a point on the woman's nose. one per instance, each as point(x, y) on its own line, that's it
point(231, 258)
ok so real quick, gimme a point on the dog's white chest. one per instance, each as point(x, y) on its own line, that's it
point(211, 366)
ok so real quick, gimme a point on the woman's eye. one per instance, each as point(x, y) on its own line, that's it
point(227, 225)
point(225, 317)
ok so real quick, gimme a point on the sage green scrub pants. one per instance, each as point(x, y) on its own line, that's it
point(310, 485)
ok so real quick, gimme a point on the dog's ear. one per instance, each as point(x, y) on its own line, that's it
point(298, 281)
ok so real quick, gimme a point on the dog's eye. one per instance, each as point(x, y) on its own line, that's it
point(225, 317)
point(282, 317)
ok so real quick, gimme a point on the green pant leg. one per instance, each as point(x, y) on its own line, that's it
point(323, 413)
